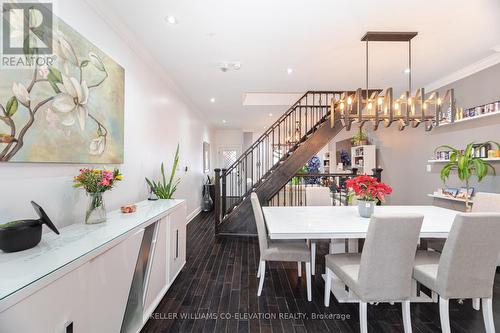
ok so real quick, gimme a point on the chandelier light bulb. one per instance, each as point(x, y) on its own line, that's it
point(380, 101)
point(439, 101)
point(370, 106)
point(342, 106)
point(349, 100)
point(396, 106)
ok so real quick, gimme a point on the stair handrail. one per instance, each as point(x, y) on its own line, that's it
point(277, 123)
point(265, 134)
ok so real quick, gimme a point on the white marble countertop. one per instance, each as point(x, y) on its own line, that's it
point(20, 269)
point(314, 222)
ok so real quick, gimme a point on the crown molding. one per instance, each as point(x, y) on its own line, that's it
point(464, 72)
point(124, 33)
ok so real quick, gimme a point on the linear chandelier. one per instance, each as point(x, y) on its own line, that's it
point(377, 106)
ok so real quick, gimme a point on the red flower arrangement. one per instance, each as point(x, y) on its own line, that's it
point(367, 188)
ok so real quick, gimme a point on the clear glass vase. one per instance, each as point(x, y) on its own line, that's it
point(96, 210)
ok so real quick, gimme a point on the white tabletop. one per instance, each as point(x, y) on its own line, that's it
point(314, 222)
point(20, 269)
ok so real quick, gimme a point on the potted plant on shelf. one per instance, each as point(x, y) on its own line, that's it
point(368, 192)
point(466, 165)
point(163, 189)
point(95, 182)
point(360, 138)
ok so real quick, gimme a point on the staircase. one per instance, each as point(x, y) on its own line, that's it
point(273, 160)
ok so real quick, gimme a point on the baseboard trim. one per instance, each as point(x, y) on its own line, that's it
point(193, 214)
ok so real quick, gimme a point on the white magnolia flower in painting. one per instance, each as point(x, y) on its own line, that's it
point(96, 61)
point(43, 71)
point(65, 52)
point(21, 93)
point(72, 101)
point(97, 145)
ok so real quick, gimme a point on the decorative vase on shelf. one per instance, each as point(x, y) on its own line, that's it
point(366, 208)
point(96, 210)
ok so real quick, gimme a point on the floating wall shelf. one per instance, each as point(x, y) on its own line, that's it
point(448, 198)
point(485, 115)
point(495, 159)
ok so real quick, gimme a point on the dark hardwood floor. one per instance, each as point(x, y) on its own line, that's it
point(217, 292)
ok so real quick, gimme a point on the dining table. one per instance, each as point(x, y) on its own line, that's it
point(344, 223)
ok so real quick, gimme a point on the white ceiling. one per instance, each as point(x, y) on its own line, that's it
point(319, 39)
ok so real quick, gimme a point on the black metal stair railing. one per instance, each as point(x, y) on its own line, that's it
point(273, 147)
point(295, 192)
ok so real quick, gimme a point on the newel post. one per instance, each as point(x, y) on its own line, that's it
point(217, 200)
point(377, 173)
point(223, 196)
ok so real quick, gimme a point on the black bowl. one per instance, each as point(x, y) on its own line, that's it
point(24, 234)
point(21, 235)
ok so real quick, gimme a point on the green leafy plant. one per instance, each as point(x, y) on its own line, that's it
point(162, 188)
point(297, 180)
point(466, 165)
point(359, 138)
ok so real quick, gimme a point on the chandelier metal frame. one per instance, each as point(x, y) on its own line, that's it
point(377, 106)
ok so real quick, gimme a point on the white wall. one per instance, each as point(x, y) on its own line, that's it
point(226, 138)
point(157, 117)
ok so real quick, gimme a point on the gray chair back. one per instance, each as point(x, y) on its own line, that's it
point(468, 262)
point(486, 203)
point(318, 196)
point(388, 256)
point(259, 221)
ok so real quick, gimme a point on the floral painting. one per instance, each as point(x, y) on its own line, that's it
point(68, 112)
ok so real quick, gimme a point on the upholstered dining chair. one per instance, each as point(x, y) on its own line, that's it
point(466, 268)
point(483, 203)
point(296, 251)
point(317, 196)
point(383, 271)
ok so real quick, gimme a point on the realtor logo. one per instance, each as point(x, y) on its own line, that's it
point(27, 33)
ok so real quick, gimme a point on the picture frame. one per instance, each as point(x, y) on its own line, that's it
point(206, 157)
point(462, 193)
point(450, 192)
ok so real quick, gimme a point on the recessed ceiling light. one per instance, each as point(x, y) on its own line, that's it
point(289, 71)
point(171, 19)
point(407, 71)
point(212, 100)
point(223, 121)
point(270, 115)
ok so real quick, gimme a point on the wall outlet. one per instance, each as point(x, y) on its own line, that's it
point(429, 168)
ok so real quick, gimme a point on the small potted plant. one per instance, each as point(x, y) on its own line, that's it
point(95, 182)
point(359, 139)
point(466, 165)
point(163, 189)
point(368, 191)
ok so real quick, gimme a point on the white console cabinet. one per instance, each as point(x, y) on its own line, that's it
point(95, 278)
